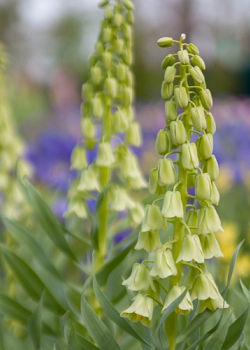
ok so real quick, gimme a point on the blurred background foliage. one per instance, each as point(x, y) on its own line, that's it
point(49, 43)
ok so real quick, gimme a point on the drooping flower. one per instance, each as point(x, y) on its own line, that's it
point(164, 264)
point(141, 310)
point(185, 305)
point(191, 249)
point(139, 280)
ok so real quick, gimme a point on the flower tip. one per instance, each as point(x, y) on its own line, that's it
point(183, 36)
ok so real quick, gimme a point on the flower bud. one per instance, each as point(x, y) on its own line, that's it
point(108, 14)
point(133, 134)
point(76, 206)
point(211, 126)
point(103, 3)
point(153, 180)
point(128, 4)
point(170, 111)
point(107, 34)
point(198, 61)
point(121, 72)
point(127, 96)
point(87, 128)
point(86, 92)
point(141, 310)
point(191, 48)
point(210, 246)
point(162, 143)
point(177, 132)
point(197, 74)
point(164, 264)
point(191, 249)
point(97, 109)
point(117, 19)
point(165, 42)
point(99, 48)
point(211, 167)
point(166, 90)
point(137, 214)
point(170, 73)
point(192, 220)
point(198, 118)
point(166, 172)
point(215, 196)
point(205, 146)
point(107, 59)
point(185, 305)
point(105, 155)
point(172, 205)
point(203, 187)
point(169, 60)
point(189, 157)
point(181, 97)
point(78, 158)
point(89, 179)
point(127, 57)
point(183, 56)
point(118, 46)
point(153, 219)
point(139, 278)
point(209, 221)
point(129, 80)
point(110, 87)
point(95, 74)
point(148, 240)
point(120, 122)
point(206, 99)
point(129, 17)
point(196, 100)
point(204, 287)
point(92, 60)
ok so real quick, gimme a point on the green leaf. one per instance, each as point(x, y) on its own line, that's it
point(219, 336)
point(105, 271)
point(1, 334)
point(35, 325)
point(63, 322)
point(48, 222)
point(84, 344)
point(95, 326)
point(161, 339)
point(204, 337)
point(170, 309)
point(72, 342)
point(231, 268)
point(235, 330)
point(13, 309)
point(193, 325)
point(113, 314)
point(245, 291)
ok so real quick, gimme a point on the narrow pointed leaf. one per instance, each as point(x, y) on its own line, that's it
point(113, 314)
point(218, 337)
point(63, 322)
point(2, 347)
point(72, 342)
point(114, 281)
point(235, 330)
point(171, 309)
point(13, 309)
point(96, 327)
point(35, 325)
point(161, 339)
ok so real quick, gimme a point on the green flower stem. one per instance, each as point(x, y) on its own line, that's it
point(103, 210)
point(147, 261)
point(188, 229)
point(191, 265)
point(157, 301)
point(162, 286)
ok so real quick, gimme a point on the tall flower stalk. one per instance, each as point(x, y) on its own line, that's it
point(108, 125)
point(178, 228)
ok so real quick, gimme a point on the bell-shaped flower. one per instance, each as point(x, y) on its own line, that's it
point(211, 167)
point(133, 134)
point(210, 246)
point(203, 187)
point(97, 108)
point(181, 97)
point(87, 128)
point(215, 196)
point(76, 206)
point(153, 219)
point(189, 156)
point(137, 214)
point(164, 264)
point(211, 126)
point(185, 305)
point(162, 143)
point(192, 220)
point(213, 304)
point(209, 221)
point(105, 155)
point(89, 180)
point(153, 185)
point(198, 118)
point(206, 98)
point(141, 310)
point(166, 172)
point(191, 250)
point(178, 132)
point(205, 146)
point(118, 199)
point(172, 205)
point(148, 240)
point(139, 278)
point(119, 121)
point(204, 287)
point(78, 158)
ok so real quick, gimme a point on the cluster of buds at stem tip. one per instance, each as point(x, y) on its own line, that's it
point(108, 119)
point(185, 163)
